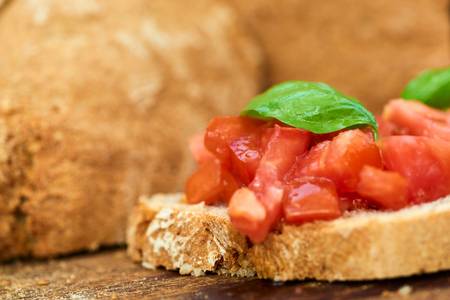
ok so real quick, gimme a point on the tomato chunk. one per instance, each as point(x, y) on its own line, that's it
point(386, 188)
point(340, 160)
point(423, 161)
point(245, 157)
point(283, 146)
point(211, 183)
point(418, 119)
point(205, 184)
point(222, 131)
point(198, 149)
point(247, 213)
point(310, 199)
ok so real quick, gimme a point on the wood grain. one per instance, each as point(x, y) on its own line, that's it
point(111, 275)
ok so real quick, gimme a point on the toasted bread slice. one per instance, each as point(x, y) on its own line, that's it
point(195, 239)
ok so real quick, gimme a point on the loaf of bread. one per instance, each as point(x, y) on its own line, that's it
point(195, 239)
point(97, 100)
point(367, 49)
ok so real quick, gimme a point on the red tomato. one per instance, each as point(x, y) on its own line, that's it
point(416, 118)
point(205, 184)
point(211, 183)
point(247, 213)
point(340, 160)
point(387, 128)
point(424, 162)
point(281, 150)
point(245, 157)
point(283, 145)
point(229, 185)
point(387, 189)
point(198, 149)
point(309, 199)
point(312, 163)
point(222, 131)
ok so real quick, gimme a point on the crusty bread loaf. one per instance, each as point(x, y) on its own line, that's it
point(97, 100)
point(367, 49)
point(195, 239)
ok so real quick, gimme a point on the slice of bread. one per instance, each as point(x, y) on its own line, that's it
point(195, 239)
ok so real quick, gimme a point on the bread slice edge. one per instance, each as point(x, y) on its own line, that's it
point(195, 239)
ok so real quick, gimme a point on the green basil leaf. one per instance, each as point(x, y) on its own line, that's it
point(432, 87)
point(312, 106)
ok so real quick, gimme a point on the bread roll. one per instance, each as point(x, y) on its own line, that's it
point(97, 100)
point(367, 49)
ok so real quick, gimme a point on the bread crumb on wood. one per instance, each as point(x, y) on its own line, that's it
point(405, 290)
point(42, 282)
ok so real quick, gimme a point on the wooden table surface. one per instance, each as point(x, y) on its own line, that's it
point(111, 275)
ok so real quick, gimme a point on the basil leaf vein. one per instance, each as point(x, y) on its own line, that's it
point(312, 106)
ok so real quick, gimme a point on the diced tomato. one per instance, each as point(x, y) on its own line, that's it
point(229, 185)
point(340, 160)
point(247, 213)
point(281, 150)
point(424, 162)
point(211, 183)
point(387, 128)
point(349, 152)
point(222, 131)
point(319, 138)
point(245, 157)
point(386, 188)
point(310, 199)
point(205, 184)
point(312, 163)
point(198, 149)
point(283, 146)
point(418, 119)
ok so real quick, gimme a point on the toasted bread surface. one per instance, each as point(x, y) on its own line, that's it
point(195, 239)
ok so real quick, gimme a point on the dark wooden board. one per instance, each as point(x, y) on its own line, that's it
point(111, 275)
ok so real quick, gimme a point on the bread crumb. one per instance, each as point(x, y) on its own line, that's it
point(5, 282)
point(114, 296)
point(42, 282)
point(405, 290)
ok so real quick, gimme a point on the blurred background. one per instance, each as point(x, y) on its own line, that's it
point(98, 97)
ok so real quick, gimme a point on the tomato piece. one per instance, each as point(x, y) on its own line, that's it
point(349, 152)
point(281, 151)
point(388, 128)
point(229, 185)
point(310, 199)
point(312, 163)
point(340, 159)
point(319, 138)
point(211, 183)
point(282, 147)
point(387, 189)
point(205, 184)
point(247, 213)
point(416, 118)
point(222, 131)
point(424, 162)
point(245, 157)
point(198, 149)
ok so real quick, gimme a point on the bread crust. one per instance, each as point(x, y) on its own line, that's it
point(97, 99)
point(358, 246)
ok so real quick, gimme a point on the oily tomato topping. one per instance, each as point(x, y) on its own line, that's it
point(268, 172)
